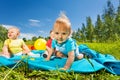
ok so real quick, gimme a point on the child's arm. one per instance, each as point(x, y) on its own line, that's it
point(25, 49)
point(70, 60)
point(5, 51)
point(50, 51)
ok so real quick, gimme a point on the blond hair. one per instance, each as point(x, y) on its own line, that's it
point(63, 22)
point(17, 29)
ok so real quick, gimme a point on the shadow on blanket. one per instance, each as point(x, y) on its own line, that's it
point(97, 62)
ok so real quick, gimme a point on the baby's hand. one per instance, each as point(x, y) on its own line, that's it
point(47, 59)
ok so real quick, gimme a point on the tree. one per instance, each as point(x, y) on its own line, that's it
point(99, 29)
point(3, 33)
point(108, 20)
point(25, 39)
point(117, 22)
point(83, 33)
point(74, 34)
point(89, 30)
point(34, 38)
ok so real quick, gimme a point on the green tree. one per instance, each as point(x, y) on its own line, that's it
point(40, 37)
point(78, 34)
point(117, 23)
point(25, 39)
point(99, 29)
point(34, 38)
point(83, 33)
point(89, 30)
point(74, 34)
point(3, 33)
point(108, 19)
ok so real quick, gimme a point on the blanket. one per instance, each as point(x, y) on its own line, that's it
point(95, 61)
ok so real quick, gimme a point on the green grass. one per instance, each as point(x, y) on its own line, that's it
point(23, 73)
point(106, 48)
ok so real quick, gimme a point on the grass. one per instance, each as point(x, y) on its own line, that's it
point(19, 74)
point(23, 73)
point(106, 48)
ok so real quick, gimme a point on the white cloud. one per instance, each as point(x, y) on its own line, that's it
point(27, 35)
point(34, 22)
point(43, 33)
point(8, 26)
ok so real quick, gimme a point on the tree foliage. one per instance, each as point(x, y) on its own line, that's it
point(105, 29)
point(3, 33)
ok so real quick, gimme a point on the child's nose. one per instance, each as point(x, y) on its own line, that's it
point(60, 35)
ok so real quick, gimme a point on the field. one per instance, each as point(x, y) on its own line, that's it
point(23, 73)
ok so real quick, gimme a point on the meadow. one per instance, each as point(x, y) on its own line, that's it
point(23, 73)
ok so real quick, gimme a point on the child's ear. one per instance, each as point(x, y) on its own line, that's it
point(18, 34)
point(70, 33)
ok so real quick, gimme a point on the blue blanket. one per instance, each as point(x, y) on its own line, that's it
point(95, 62)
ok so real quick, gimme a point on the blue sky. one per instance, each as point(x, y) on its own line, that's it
point(36, 17)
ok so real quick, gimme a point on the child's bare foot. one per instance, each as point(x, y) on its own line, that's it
point(80, 56)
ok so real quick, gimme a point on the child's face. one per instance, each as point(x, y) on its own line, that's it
point(52, 35)
point(13, 33)
point(61, 34)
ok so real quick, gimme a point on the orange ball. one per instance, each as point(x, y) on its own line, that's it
point(31, 47)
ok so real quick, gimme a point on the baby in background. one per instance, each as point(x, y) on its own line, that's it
point(15, 46)
point(48, 44)
point(48, 47)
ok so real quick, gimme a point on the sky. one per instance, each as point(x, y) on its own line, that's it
point(36, 17)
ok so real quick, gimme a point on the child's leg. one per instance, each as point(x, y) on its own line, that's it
point(33, 54)
point(18, 54)
point(59, 54)
point(6, 55)
point(80, 56)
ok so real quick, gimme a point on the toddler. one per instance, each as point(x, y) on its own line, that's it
point(63, 42)
point(15, 46)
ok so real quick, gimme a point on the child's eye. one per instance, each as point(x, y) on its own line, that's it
point(56, 33)
point(64, 33)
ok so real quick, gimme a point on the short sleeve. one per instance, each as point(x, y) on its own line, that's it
point(71, 45)
point(7, 42)
point(49, 42)
point(22, 42)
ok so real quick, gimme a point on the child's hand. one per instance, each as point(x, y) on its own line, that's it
point(46, 59)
